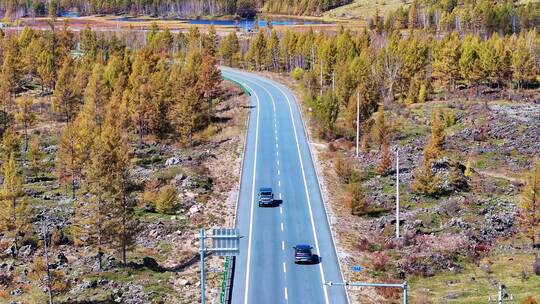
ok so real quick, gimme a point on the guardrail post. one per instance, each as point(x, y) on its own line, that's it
point(405, 293)
point(201, 238)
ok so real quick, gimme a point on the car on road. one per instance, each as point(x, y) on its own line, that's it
point(303, 254)
point(266, 197)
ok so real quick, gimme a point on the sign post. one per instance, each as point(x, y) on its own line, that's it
point(225, 242)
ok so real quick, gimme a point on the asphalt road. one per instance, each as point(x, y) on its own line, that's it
point(277, 155)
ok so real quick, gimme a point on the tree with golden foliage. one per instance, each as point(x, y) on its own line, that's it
point(25, 116)
point(425, 181)
point(381, 128)
point(386, 159)
point(14, 211)
point(530, 205)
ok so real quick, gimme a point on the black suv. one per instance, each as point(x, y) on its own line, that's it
point(303, 254)
point(266, 197)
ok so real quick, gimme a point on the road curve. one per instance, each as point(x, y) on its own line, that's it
point(278, 155)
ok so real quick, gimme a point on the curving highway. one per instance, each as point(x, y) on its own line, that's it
point(278, 155)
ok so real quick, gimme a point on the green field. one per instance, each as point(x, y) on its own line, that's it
point(366, 8)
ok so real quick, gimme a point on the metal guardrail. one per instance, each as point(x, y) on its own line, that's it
point(237, 83)
point(225, 296)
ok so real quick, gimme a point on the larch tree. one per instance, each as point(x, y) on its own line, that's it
point(425, 181)
point(115, 153)
point(385, 162)
point(229, 50)
point(25, 116)
point(522, 63)
point(69, 157)
point(530, 205)
point(469, 62)
point(381, 128)
point(65, 97)
point(209, 81)
point(14, 210)
point(160, 97)
point(445, 62)
point(35, 156)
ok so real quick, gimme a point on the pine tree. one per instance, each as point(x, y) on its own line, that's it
point(381, 128)
point(256, 54)
point(69, 157)
point(211, 42)
point(160, 97)
point(14, 211)
point(209, 80)
point(229, 50)
point(434, 146)
point(530, 205)
point(445, 62)
point(469, 64)
point(356, 195)
point(35, 156)
point(272, 52)
point(522, 63)
point(65, 97)
point(385, 162)
point(11, 143)
point(25, 116)
point(96, 94)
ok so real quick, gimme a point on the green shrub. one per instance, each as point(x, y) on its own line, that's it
point(297, 73)
point(166, 199)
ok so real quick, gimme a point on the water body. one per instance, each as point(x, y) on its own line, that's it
point(245, 24)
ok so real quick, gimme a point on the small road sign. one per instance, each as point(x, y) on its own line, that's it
point(357, 268)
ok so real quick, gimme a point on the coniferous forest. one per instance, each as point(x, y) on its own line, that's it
point(116, 146)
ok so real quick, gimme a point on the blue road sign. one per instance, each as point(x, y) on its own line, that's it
point(357, 268)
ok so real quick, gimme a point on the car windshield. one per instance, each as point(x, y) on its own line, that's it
point(266, 193)
point(304, 251)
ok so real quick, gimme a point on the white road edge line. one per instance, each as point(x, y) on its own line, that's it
point(246, 292)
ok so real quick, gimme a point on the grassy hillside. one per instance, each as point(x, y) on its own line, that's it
point(365, 8)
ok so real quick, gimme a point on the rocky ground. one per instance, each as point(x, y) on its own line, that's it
point(456, 247)
point(164, 260)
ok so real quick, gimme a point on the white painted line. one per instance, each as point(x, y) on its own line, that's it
point(278, 162)
point(284, 267)
point(282, 245)
point(279, 183)
point(246, 291)
point(286, 295)
point(306, 190)
point(280, 208)
point(277, 153)
point(280, 195)
point(282, 227)
point(278, 172)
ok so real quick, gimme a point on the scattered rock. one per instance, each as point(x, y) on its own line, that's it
point(193, 210)
point(16, 292)
point(61, 259)
point(173, 161)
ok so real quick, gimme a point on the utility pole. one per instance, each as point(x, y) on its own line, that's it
point(333, 85)
point(357, 122)
point(320, 94)
point(397, 193)
point(47, 244)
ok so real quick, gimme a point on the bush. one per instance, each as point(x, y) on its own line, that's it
point(297, 73)
point(32, 241)
point(536, 266)
point(530, 300)
point(357, 199)
point(379, 260)
point(166, 199)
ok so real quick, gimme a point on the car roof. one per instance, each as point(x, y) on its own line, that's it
point(265, 189)
point(303, 246)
